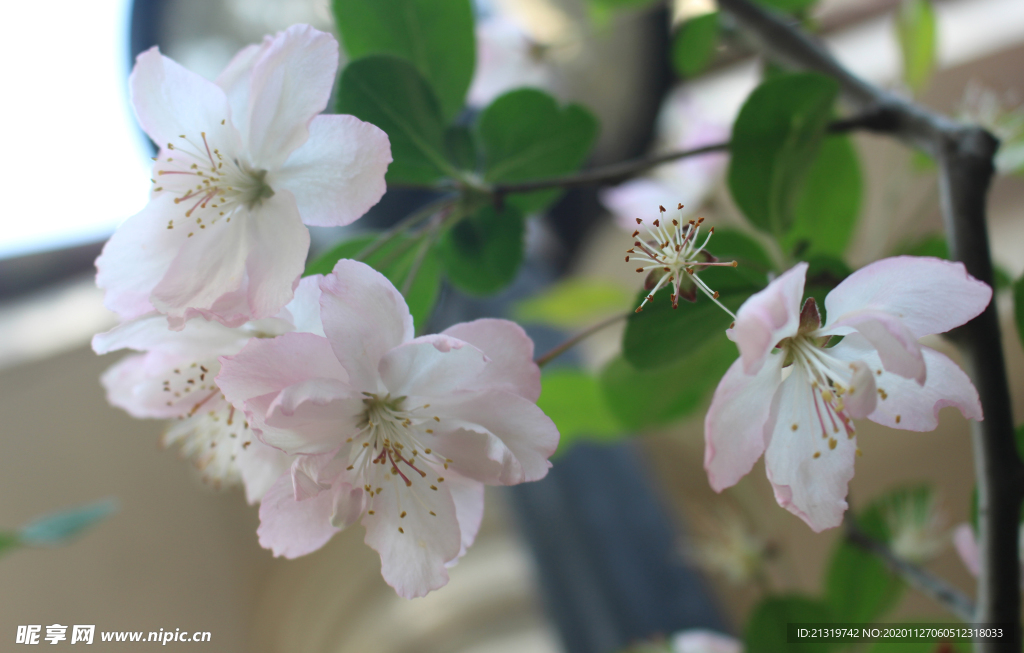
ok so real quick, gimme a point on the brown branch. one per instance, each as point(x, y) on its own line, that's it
point(965, 157)
point(578, 338)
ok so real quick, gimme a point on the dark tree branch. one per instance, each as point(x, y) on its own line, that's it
point(928, 584)
point(964, 154)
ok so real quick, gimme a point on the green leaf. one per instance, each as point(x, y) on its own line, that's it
point(915, 31)
point(394, 260)
point(436, 36)
point(788, 6)
point(461, 147)
point(774, 141)
point(1018, 307)
point(8, 542)
point(766, 629)
point(526, 136)
point(573, 401)
point(59, 527)
point(573, 303)
point(693, 46)
point(829, 201)
point(653, 397)
point(483, 252)
point(390, 93)
point(858, 585)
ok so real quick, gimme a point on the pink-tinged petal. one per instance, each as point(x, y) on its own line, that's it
point(769, 316)
point(431, 366)
point(468, 496)
point(171, 101)
point(137, 257)
point(310, 417)
point(896, 345)
point(523, 429)
point(269, 365)
point(348, 504)
point(929, 295)
point(293, 528)
point(413, 559)
point(364, 316)
point(306, 475)
point(235, 80)
point(290, 84)
point(705, 641)
point(861, 397)
point(199, 338)
point(209, 264)
point(736, 428)
point(966, 546)
point(479, 454)
point(260, 466)
point(135, 385)
point(902, 403)
point(278, 246)
point(304, 309)
point(338, 174)
point(809, 466)
point(635, 199)
point(510, 350)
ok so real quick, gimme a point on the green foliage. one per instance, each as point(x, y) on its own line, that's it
point(858, 585)
point(394, 260)
point(829, 202)
point(60, 527)
point(436, 36)
point(823, 274)
point(766, 629)
point(1018, 307)
point(524, 136)
point(693, 46)
point(788, 6)
point(483, 252)
point(572, 399)
point(391, 93)
point(653, 397)
point(461, 147)
point(775, 140)
point(573, 303)
point(915, 31)
point(8, 542)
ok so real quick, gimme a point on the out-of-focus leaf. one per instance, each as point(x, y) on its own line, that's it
point(394, 260)
point(788, 6)
point(766, 628)
point(436, 36)
point(8, 542)
point(829, 201)
point(461, 147)
point(693, 46)
point(525, 135)
point(483, 252)
point(391, 93)
point(573, 303)
point(823, 274)
point(858, 585)
point(653, 397)
point(1018, 307)
point(573, 401)
point(775, 139)
point(921, 162)
point(915, 31)
point(59, 527)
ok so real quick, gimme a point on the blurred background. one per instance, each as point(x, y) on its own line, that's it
point(622, 542)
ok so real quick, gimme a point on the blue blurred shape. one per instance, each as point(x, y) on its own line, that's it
point(59, 527)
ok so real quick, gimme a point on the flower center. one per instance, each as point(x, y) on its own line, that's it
point(831, 382)
point(671, 255)
point(209, 184)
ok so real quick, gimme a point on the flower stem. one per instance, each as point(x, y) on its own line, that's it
point(579, 337)
point(433, 231)
point(404, 225)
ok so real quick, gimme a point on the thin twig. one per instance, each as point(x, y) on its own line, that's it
point(965, 156)
point(433, 231)
point(579, 337)
point(404, 225)
point(922, 580)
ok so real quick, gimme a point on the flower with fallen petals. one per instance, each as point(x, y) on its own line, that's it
point(244, 163)
point(398, 432)
point(670, 255)
point(793, 398)
point(175, 380)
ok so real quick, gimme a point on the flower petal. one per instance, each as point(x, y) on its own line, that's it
point(135, 385)
point(809, 466)
point(896, 345)
point(929, 295)
point(364, 316)
point(199, 337)
point(736, 428)
point(236, 79)
point(468, 496)
point(290, 84)
point(278, 246)
point(311, 417)
point(903, 404)
point(510, 350)
point(431, 366)
point(137, 257)
point(338, 174)
point(293, 528)
point(966, 546)
point(260, 466)
point(413, 559)
point(171, 101)
point(523, 429)
point(769, 316)
point(304, 309)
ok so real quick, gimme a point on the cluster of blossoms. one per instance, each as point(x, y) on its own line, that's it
point(312, 393)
